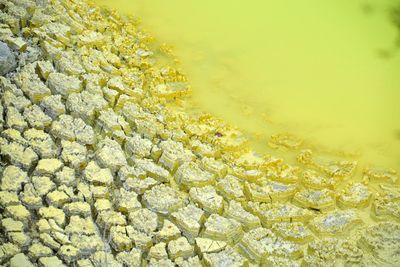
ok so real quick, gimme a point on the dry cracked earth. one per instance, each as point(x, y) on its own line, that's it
point(101, 164)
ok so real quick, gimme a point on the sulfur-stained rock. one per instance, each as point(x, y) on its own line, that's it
point(38, 250)
point(207, 198)
point(127, 201)
point(189, 219)
point(190, 175)
point(227, 257)
point(87, 245)
point(141, 239)
point(44, 68)
point(153, 170)
point(162, 199)
point(53, 106)
point(169, 231)
point(270, 213)
point(354, 195)
point(293, 231)
point(13, 178)
point(96, 175)
point(108, 218)
point(84, 263)
point(68, 253)
point(161, 263)
point(41, 143)
point(131, 172)
point(14, 119)
point(110, 155)
point(73, 154)
point(144, 220)
point(174, 154)
point(20, 239)
point(100, 191)
point(10, 225)
point(109, 122)
point(66, 176)
point(238, 213)
point(85, 105)
point(158, 251)
point(20, 260)
point(132, 258)
point(102, 205)
point(48, 167)
point(61, 84)
point(380, 175)
point(120, 241)
point(51, 262)
point(77, 208)
point(12, 135)
point(335, 222)
point(42, 185)
point(68, 128)
point(18, 155)
point(30, 198)
point(8, 198)
point(315, 199)
point(7, 250)
point(18, 212)
point(53, 213)
point(189, 262)
point(207, 245)
point(137, 146)
point(49, 241)
point(221, 228)
point(382, 240)
point(261, 242)
point(57, 198)
point(180, 248)
point(269, 191)
point(102, 258)
point(36, 117)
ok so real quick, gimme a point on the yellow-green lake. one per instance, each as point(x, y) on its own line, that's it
point(326, 71)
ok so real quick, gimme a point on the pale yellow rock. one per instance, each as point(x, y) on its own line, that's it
point(53, 213)
point(48, 167)
point(206, 245)
point(51, 262)
point(158, 251)
point(98, 176)
point(10, 225)
point(68, 253)
point(168, 232)
point(13, 178)
point(17, 43)
point(62, 84)
point(39, 250)
point(19, 238)
point(18, 212)
point(7, 250)
point(20, 260)
point(44, 68)
point(57, 198)
point(42, 184)
point(180, 248)
point(8, 198)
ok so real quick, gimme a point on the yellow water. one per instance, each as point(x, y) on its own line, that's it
point(326, 71)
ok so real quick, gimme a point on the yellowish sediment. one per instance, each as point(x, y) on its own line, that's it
point(103, 163)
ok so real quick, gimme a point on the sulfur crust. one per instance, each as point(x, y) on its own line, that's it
point(103, 162)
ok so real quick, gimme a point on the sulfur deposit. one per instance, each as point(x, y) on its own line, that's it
point(104, 164)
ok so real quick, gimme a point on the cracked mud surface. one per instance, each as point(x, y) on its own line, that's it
point(102, 164)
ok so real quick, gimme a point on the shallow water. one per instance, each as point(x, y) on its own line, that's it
point(326, 71)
